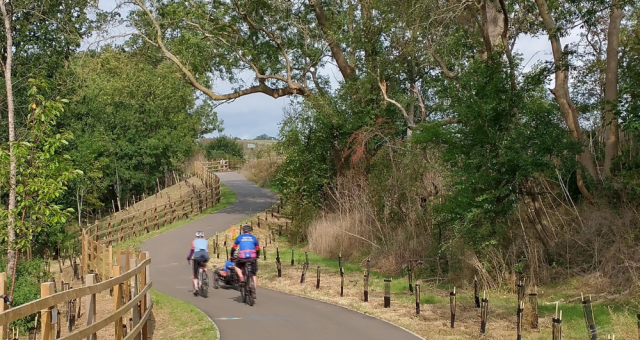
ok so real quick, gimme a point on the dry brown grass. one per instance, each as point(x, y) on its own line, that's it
point(433, 321)
point(261, 170)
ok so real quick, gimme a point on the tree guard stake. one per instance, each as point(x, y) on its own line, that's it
point(410, 278)
point(476, 294)
point(533, 301)
point(557, 325)
point(453, 306)
point(366, 282)
point(588, 318)
point(292, 261)
point(341, 275)
point(278, 264)
point(417, 299)
point(318, 279)
point(519, 313)
point(387, 293)
point(484, 311)
point(520, 291)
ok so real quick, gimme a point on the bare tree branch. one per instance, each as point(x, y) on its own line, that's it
point(291, 89)
point(383, 88)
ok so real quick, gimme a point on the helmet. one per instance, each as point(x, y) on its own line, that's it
point(199, 234)
point(247, 228)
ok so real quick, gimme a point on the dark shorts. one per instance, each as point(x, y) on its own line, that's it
point(196, 266)
point(240, 263)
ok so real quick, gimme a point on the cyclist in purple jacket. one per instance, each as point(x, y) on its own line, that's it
point(248, 251)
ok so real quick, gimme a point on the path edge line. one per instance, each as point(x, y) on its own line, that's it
point(347, 308)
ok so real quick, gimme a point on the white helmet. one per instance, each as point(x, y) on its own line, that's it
point(199, 234)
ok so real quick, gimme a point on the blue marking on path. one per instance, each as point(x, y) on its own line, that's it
point(270, 317)
point(228, 318)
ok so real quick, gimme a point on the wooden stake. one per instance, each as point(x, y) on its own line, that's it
point(46, 289)
point(117, 302)
point(91, 305)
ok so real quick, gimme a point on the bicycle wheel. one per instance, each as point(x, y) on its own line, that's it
point(250, 288)
point(216, 284)
point(202, 282)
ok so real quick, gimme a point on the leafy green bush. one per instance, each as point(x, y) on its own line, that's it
point(29, 275)
point(223, 147)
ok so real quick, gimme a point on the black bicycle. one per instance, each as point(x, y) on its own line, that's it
point(247, 291)
point(203, 279)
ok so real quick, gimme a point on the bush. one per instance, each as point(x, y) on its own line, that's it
point(29, 275)
point(223, 147)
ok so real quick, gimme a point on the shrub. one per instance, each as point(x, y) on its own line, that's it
point(223, 147)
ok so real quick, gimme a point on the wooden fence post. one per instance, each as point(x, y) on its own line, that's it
point(46, 289)
point(85, 252)
point(143, 302)
point(90, 302)
point(3, 290)
point(135, 313)
point(127, 267)
point(110, 264)
point(117, 302)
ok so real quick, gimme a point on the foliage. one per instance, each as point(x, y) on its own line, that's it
point(223, 147)
point(45, 35)
point(134, 121)
point(490, 169)
point(264, 136)
point(29, 276)
point(44, 169)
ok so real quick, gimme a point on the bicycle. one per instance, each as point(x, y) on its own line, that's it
point(247, 290)
point(203, 279)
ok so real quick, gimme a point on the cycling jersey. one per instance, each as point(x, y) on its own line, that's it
point(247, 245)
point(227, 265)
point(200, 244)
point(199, 250)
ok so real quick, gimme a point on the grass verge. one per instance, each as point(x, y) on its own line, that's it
point(176, 319)
point(614, 316)
point(226, 198)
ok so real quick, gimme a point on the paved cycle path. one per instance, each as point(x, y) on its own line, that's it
point(275, 315)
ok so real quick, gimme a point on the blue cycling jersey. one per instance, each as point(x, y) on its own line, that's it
point(247, 245)
point(227, 265)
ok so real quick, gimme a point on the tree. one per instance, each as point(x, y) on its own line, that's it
point(224, 147)
point(134, 121)
point(7, 67)
point(42, 171)
point(264, 136)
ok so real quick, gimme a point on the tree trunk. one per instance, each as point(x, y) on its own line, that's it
point(11, 233)
point(611, 87)
point(561, 93)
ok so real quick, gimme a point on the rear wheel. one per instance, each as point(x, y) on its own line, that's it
point(216, 278)
point(204, 283)
point(250, 288)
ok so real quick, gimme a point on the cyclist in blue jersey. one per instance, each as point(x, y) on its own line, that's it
point(200, 253)
point(248, 251)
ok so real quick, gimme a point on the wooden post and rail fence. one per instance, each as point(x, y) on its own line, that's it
point(120, 271)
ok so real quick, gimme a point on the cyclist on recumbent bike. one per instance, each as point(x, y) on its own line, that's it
point(248, 252)
point(200, 253)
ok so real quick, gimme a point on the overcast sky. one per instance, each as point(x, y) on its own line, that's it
point(253, 115)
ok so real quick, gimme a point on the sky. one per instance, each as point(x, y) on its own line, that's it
point(253, 115)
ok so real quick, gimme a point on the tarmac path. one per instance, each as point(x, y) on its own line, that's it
point(275, 315)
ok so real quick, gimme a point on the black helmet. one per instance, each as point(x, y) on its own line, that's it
point(247, 228)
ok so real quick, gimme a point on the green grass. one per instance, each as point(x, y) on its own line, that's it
point(226, 198)
point(177, 319)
